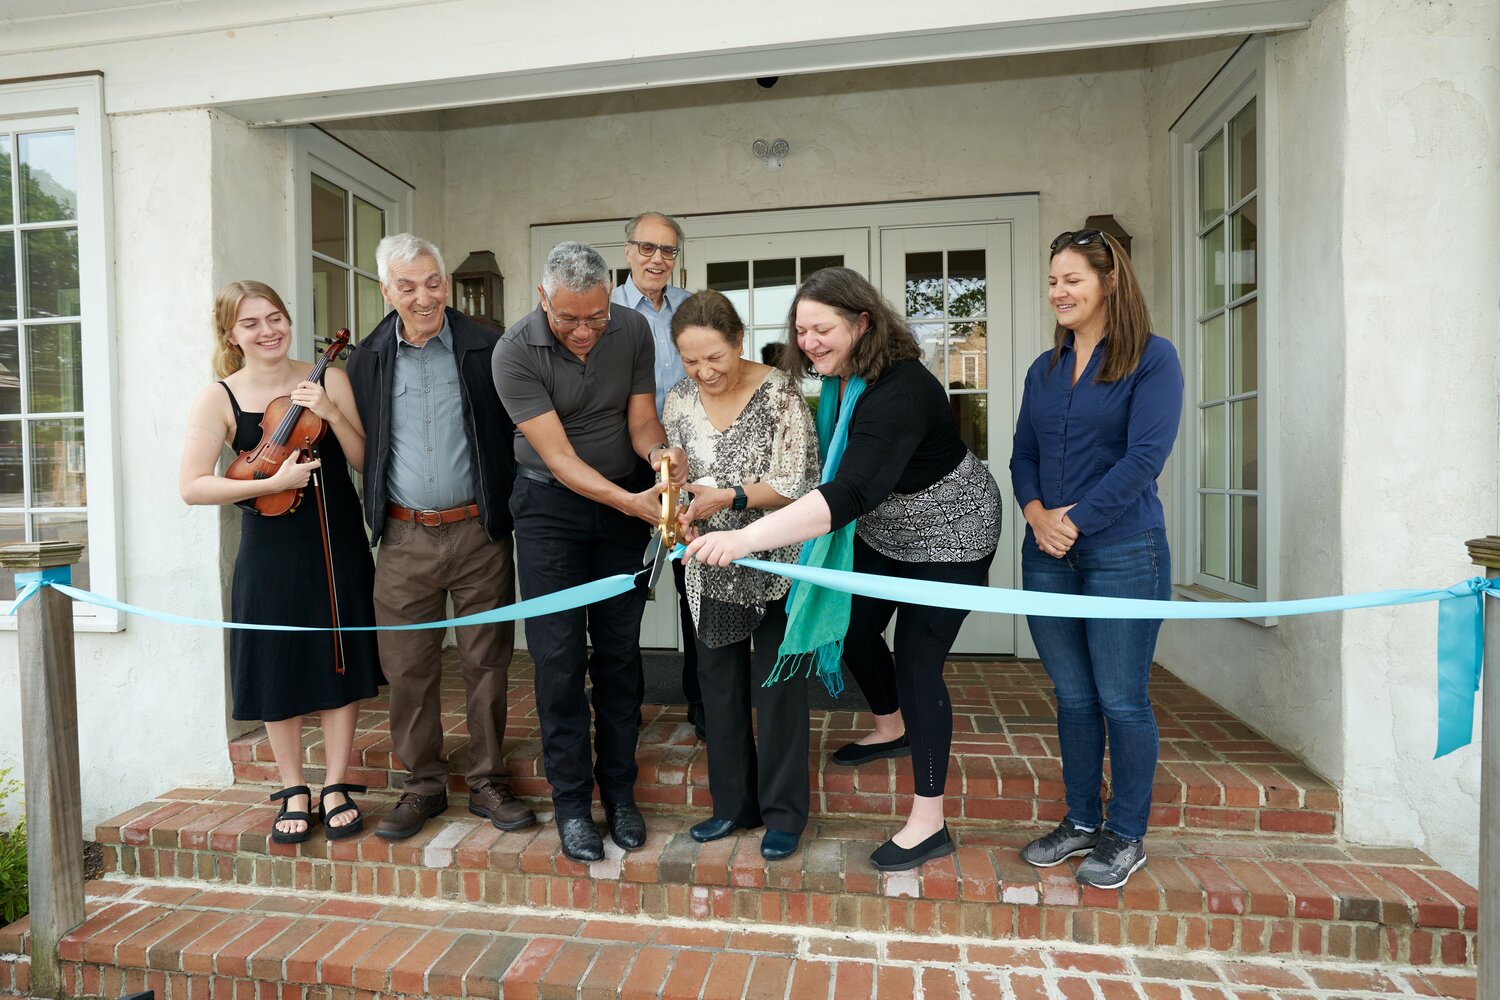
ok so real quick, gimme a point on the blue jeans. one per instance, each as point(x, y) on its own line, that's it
point(1100, 669)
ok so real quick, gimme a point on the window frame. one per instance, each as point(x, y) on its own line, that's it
point(316, 152)
point(77, 102)
point(1249, 75)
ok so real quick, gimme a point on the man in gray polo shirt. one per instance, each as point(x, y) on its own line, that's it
point(576, 376)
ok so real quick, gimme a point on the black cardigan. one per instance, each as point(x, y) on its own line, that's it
point(486, 424)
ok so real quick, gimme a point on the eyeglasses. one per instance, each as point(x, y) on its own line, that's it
point(648, 250)
point(567, 324)
point(1081, 238)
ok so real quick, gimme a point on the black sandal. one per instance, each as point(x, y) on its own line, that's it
point(277, 837)
point(348, 829)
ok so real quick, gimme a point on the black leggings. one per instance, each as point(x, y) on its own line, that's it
point(924, 636)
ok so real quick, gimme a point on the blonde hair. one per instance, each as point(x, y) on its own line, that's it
point(228, 358)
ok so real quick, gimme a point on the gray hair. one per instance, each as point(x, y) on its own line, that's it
point(575, 266)
point(661, 217)
point(403, 248)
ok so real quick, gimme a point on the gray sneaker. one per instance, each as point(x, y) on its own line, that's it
point(1111, 864)
point(1067, 841)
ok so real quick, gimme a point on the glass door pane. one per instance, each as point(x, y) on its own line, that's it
point(954, 285)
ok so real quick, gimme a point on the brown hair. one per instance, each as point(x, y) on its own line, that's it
point(228, 358)
point(886, 340)
point(1127, 323)
point(713, 310)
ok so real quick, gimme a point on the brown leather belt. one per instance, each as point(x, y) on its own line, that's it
point(432, 518)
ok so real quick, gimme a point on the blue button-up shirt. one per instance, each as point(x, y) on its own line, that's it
point(1099, 446)
point(669, 370)
point(431, 467)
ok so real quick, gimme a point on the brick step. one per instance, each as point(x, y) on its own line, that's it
point(1215, 773)
point(1231, 895)
point(190, 941)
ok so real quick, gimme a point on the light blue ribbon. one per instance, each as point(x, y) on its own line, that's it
point(29, 583)
point(1460, 619)
point(547, 604)
point(1460, 615)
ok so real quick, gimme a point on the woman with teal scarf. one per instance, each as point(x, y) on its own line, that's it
point(901, 496)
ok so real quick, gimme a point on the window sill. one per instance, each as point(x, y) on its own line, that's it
point(1193, 592)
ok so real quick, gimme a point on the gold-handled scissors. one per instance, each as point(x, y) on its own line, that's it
point(664, 537)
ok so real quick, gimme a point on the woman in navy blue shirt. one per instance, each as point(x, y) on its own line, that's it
point(1099, 415)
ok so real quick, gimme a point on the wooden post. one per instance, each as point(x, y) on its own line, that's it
point(49, 754)
point(1486, 552)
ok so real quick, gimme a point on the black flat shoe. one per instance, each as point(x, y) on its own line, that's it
point(778, 844)
point(891, 857)
point(716, 829)
point(580, 839)
point(855, 754)
point(277, 837)
point(350, 828)
point(627, 827)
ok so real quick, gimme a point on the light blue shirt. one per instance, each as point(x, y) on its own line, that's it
point(669, 370)
point(431, 468)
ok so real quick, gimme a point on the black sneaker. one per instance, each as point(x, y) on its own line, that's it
point(1067, 841)
point(1111, 864)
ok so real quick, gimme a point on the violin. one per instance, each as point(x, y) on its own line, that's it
point(286, 430)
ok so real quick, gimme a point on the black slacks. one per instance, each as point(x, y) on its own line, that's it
point(924, 637)
point(759, 777)
point(563, 540)
point(692, 691)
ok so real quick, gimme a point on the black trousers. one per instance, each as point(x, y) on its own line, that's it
point(562, 540)
point(692, 691)
point(912, 681)
point(761, 777)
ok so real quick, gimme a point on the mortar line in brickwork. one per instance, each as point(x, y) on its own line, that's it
point(1061, 959)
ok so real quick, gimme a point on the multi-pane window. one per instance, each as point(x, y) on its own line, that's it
point(345, 288)
point(43, 491)
point(946, 302)
point(1227, 304)
point(762, 292)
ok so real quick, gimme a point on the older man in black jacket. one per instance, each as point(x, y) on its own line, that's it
point(437, 478)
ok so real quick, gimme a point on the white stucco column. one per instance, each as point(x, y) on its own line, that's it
point(1419, 470)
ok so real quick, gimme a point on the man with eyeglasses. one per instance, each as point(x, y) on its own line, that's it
point(576, 376)
point(653, 242)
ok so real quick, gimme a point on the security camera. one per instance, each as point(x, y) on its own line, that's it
point(767, 82)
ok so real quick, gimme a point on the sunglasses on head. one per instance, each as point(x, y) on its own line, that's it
point(1081, 238)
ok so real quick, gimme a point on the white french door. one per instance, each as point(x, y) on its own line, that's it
point(965, 270)
point(953, 284)
point(759, 274)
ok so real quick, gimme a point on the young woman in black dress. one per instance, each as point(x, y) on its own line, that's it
point(280, 573)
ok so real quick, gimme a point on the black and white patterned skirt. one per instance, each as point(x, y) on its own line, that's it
point(956, 519)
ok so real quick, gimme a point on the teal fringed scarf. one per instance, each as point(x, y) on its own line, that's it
point(817, 618)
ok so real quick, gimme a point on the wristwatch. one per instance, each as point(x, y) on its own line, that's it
point(740, 500)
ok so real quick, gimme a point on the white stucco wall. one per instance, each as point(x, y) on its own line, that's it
point(1286, 680)
point(1029, 123)
point(1422, 458)
point(152, 697)
point(1387, 394)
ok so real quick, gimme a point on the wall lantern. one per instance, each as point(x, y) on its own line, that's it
point(1107, 224)
point(479, 289)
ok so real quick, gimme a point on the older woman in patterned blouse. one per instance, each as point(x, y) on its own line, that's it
point(751, 448)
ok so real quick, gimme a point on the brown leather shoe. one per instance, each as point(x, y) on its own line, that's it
point(410, 814)
point(497, 803)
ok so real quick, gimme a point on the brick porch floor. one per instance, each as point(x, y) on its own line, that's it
point(1250, 893)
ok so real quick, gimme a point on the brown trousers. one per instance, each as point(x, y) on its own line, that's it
point(416, 570)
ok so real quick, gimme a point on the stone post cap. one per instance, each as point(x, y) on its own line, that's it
point(39, 555)
point(1482, 551)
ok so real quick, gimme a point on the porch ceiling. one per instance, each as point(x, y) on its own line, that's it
point(285, 63)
